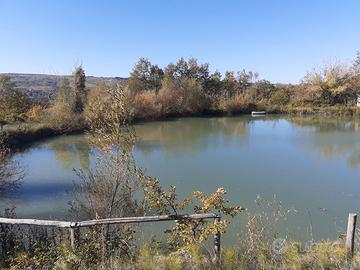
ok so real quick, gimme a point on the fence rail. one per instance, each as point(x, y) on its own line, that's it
point(87, 223)
point(75, 226)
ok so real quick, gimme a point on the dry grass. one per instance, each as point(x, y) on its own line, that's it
point(320, 256)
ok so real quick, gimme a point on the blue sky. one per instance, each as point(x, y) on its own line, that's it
point(279, 39)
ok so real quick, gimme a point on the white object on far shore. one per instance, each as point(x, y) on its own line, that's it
point(260, 113)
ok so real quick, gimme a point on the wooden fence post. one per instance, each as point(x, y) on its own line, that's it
point(74, 237)
point(217, 241)
point(350, 234)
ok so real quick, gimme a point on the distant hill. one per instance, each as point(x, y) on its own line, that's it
point(43, 86)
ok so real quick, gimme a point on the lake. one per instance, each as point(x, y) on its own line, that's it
point(312, 165)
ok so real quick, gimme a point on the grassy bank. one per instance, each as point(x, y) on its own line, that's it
point(325, 111)
point(22, 134)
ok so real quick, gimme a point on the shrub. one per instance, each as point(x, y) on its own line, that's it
point(238, 104)
point(36, 113)
point(194, 99)
point(147, 106)
point(282, 95)
point(187, 232)
point(183, 96)
point(95, 103)
point(260, 91)
point(170, 99)
point(61, 118)
point(100, 101)
point(65, 113)
point(13, 105)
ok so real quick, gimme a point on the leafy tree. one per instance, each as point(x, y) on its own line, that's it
point(246, 79)
point(198, 72)
point(156, 76)
point(145, 76)
point(140, 75)
point(181, 69)
point(329, 86)
point(188, 70)
point(261, 91)
point(282, 95)
point(230, 85)
point(213, 86)
point(80, 93)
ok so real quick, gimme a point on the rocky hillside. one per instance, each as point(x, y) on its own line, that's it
point(43, 86)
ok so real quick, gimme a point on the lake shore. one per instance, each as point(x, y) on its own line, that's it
point(20, 136)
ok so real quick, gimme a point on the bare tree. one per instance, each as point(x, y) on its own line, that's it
point(108, 189)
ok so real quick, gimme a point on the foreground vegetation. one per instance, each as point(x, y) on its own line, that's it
point(324, 255)
point(185, 88)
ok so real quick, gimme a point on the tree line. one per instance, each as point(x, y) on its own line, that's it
point(186, 87)
point(197, 89)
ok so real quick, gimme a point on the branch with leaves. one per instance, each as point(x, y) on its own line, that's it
point(187, 232)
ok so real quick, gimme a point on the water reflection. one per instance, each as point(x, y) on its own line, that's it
point(11, 175)
point(70, 152)
point(47, 185)
point(334, 138)
point(190, 136)
point(324, 124)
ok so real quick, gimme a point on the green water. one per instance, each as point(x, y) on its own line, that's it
point(311, 165)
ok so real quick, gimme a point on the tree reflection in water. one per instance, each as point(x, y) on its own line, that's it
point(10, 172)
point(188, 136)
point(333, 137)
point(72, 150)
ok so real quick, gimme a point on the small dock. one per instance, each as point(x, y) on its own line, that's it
point(258, 113)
